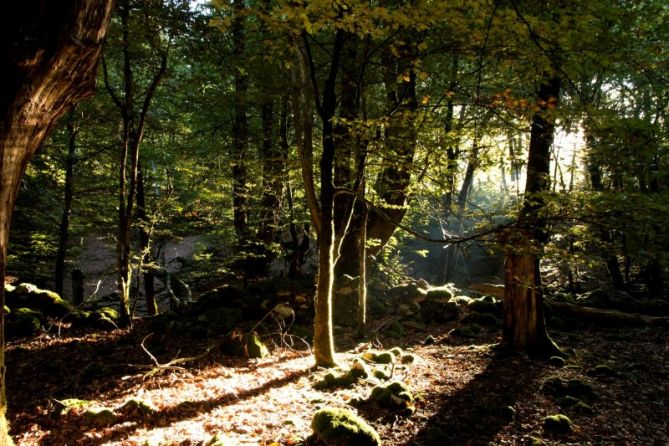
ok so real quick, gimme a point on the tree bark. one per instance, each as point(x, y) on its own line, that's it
point(524, 325)
point(41, 43)
point(68, 195)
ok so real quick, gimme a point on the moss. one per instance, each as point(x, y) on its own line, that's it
point(462, 300)
point(396, 351)
point(568, 401)
point(442, 293)
point(582, 408)
point(507, 413)
point(484, 306)
point(408, 358)
point(357, 371)
point(485, 319)
point(557, 424)
point(557, 361)
point(29, 296)
point(7, 310)
point(381, 375)
point(216, 440)
point(430, 340)
point(24, 322)
point(100, 417)
point(574, 388)
point(469, 331)
point(534, 441)
point(63, 407)
point(395, 395)
point(341, 427)
point(385, 358)
point(246, 345)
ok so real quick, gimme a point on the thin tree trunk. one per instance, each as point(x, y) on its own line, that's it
point(239, 130)
point(144, 246)
point(68, 195)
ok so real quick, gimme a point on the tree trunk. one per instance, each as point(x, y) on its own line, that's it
point(524, 326)
point(239, 129)
point(144, 246)
point(324, 351)
point(40, 43)
point(400, 137)
point(68, 195)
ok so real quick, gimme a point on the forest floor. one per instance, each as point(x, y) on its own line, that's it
point(462, 388)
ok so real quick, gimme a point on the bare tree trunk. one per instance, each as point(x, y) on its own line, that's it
point(68, 195)
point(144, 246)
point(239, 130)
point(40, 43)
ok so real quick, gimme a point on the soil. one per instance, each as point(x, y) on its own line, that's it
point(463, 390)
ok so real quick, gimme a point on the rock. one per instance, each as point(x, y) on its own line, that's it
point(582, 408)
point(485, 319)
point(468, 331)
point(557, 424)
point(397, 352)
point(225, 296)
point(557, 361)
point(574, 388)
point(246, 345)
point(568, 401)
point(407, 292)
point(341, 427)
point(222, 319)
point(441, 293)
point(396, 396)
point(408, 358)
point(462, 300)
point(507, 413)
point(100, 417)
point(24, 322)
point(136, 408)
point(395, 330)
point(484, 305)
point(381, 375)
point(63, 407)
point(602, 370)
point(595, 298)
point(48, 302)
point(357, 371)
point(378, 357)
point(430, 340)
point(439, 312)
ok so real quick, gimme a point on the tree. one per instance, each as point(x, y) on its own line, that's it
point(41, 42)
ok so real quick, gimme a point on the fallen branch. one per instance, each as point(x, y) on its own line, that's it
point(605, 317)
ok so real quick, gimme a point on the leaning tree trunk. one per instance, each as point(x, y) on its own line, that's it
point(49, 51)
point(524, 326)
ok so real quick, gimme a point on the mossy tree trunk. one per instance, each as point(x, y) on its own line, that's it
point(524, 326)
point(49, 51)
point(326, 104)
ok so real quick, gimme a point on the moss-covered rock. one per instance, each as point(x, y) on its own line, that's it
point(341, 427)
point(135, 407)
point(221, 319)
point(396, 351)
point(462, 301)
point(485, 305)
point(395, 330)
point(602, 370)
point(246, 345)
point(407, 292)
point(441, 293)
point(484, 319)
point(63, 407)
point(439, 311)
point(357, 371)
point(582, 408)
point(30, 296)
point(557, 424)
point(381, 374)
point(408, 359)
point(378, 357)
point(467, 331)
point(24, 322)
point(100, 417)
point(396, 396)
point(429, 340)
point(557, 361)
point(556, 386)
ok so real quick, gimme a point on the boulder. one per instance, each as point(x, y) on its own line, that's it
point(396, 396)
point(27, 295)
point(557, 424)
point(341, 427)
